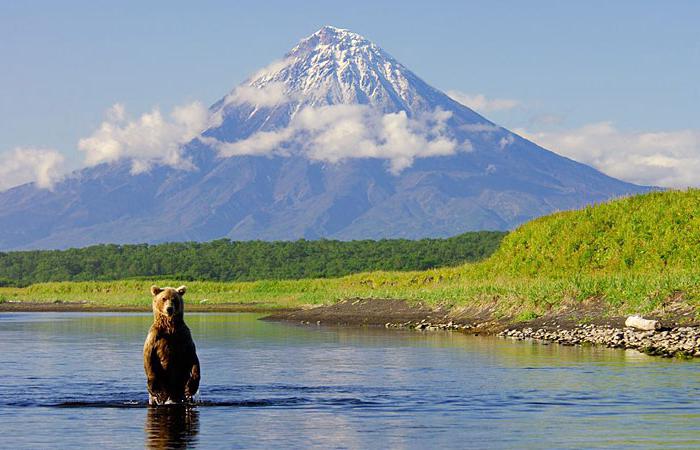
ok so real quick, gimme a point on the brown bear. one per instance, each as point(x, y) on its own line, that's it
point(169, 355)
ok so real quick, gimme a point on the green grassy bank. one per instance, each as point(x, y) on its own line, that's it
point(633, 255)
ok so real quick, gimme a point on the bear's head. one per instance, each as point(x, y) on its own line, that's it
point(167, 302)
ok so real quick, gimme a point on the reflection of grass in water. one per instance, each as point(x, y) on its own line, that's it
point(632, 254)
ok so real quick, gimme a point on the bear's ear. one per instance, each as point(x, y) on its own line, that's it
point(155, 290)
point(181, 290)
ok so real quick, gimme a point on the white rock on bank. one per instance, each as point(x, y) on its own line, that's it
point(640, 323)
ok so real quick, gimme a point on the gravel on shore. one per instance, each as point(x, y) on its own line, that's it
point(681, 342)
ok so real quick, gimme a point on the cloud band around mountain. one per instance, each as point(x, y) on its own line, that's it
point(24, 165)
point(150, 139)
point(483, 104)
point(336, 132)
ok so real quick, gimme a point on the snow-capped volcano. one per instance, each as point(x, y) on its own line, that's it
point(335, 96)
point(336, 66)
point(336, 139)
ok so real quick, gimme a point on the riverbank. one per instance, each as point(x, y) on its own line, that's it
point(582, 324)
point(475, 287)
point(678, 336)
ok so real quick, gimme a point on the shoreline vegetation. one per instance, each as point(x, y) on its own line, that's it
point(225, 260)
point(595, 266)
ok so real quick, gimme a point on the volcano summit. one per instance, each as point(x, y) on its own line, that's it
point(335, 140)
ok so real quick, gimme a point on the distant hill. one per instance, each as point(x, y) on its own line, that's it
point(336, 140)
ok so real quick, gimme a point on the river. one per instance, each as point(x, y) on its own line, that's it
point(76, 380)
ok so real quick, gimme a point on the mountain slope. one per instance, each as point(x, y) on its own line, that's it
point(335, 140)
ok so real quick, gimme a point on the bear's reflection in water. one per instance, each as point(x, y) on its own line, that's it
point(171, 427)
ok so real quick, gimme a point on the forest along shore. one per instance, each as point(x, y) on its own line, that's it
point(573, 327)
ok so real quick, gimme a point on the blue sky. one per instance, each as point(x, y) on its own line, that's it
point(610, 74)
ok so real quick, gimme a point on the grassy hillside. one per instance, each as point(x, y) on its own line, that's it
point(632, 255)
point(652, 232)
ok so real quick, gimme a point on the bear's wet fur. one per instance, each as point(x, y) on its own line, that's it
point(169, 354)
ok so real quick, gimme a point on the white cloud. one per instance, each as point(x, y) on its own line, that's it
point(480, 128)
point(261, 143)
point(271, 69)
point(269, 94)
point(147, 140)
point(336, 132)
point(666, 158)
point(481, 103)
point(116, 113)
point(24, 165)
point(259, 94)
point(505, 141)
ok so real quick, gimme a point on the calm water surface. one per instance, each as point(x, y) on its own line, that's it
point(76, 380)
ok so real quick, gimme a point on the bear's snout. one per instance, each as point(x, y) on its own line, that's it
point(169, 307)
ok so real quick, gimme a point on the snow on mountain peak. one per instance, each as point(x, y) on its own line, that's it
point(335, 66)
point(339, 40)
point(336, 95)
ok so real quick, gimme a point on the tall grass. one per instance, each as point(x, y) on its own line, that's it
point(654, 232)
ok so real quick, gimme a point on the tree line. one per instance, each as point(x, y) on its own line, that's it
point(226, 260)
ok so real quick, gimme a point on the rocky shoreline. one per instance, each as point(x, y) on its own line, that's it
point(683, 342)
point(680, 342)
point(425, 325)
point(672, 341)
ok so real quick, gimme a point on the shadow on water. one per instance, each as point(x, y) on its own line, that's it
point(171, 427)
